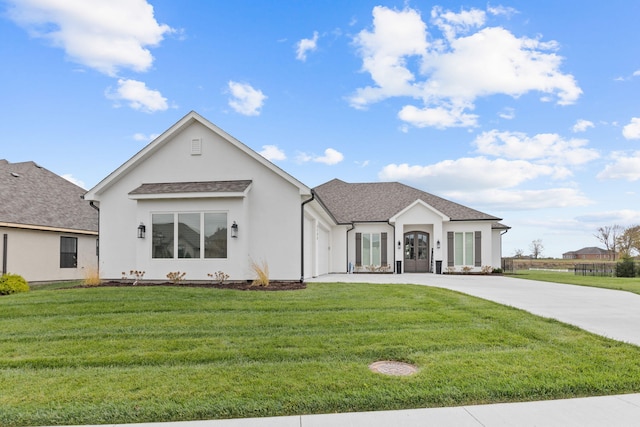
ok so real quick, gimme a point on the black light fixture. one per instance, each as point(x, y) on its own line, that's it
point(141, 231)
point(234, 230)
point(399, 244)
point(438, 244)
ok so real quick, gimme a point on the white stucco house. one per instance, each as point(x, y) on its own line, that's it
point(199, 201)
point(47, 232)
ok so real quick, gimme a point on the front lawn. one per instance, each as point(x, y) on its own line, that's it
point(144, 354)
point(618, 283)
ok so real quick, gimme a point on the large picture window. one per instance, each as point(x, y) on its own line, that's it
point(68, 252)
point(183, 235)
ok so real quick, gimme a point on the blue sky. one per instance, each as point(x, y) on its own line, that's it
point(525, 110)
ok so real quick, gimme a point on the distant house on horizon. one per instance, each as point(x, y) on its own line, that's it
point(47, 231)
point(592, 253)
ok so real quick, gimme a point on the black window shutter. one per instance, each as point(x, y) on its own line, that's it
point(450, 249)
point(358, 249)
point(383, 252)
point(478, 249)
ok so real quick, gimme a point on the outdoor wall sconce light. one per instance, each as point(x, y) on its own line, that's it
point(399, 244)
point(234, 230)
point(141, 231)
point(438, 244)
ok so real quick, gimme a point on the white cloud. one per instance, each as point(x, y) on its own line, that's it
point(622, 217)
point(397, 35)
point(438, 117)
point(502, 10)
point(138, 96)
point(546, 148)
point(272, 153)
point(625, 166)
point(582, 125)
point(331, 157)
point(507, 113)
point(144, 138)
point(468, 174)
point(76, 181)
point(245, 99)
point(306, 45)
point(103, 35)
point(514, 200)
point(452, 73)
point(632, 130)
point(451, 23)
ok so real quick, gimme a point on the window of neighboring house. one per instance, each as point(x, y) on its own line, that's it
point(370, 249)
point(188, 227)
point(68, 252)
point(464, 248)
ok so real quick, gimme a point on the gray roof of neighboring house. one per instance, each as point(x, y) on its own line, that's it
point(591, 250)
point(193, 187)
point(379, 201)
point(34, 196)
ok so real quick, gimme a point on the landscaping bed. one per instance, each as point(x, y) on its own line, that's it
point(240, 286)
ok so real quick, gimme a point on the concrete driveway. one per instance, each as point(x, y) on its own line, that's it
point(613, 314)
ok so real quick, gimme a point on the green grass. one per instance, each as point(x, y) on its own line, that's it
point(618, 283)
point(125, 355)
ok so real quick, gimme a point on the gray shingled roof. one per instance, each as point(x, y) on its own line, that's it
point(379, 201)
point(32, 195)
point(591, 250)
point(193, 187)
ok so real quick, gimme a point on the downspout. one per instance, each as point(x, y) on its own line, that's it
point(5, 244)
point(347, 243)
point(313, 196)
point(393, 245)
point(98, 243)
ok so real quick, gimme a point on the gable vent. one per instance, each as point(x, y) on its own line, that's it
point(196, 146)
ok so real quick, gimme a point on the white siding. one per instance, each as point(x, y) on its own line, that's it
point(268, 218)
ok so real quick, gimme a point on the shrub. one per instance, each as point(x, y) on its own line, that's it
point(176, 277)
point(13, 283)
point(626, 268)
point(219, 276)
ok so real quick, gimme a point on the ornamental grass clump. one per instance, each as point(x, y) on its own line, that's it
point(91, 277)
point(12, 284)
point(262, 273)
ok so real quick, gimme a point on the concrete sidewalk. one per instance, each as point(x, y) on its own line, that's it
point(614, 314)
point(609, 411)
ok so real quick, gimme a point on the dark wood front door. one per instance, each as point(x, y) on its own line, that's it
point(416, 252)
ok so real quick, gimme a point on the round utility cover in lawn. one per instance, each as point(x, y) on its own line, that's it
point(390, 367)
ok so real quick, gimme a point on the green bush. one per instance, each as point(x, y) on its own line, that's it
point(626, 268)
point(13, 283)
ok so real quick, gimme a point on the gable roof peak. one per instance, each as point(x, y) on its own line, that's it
point(187, 120)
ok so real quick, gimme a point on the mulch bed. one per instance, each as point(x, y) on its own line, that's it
point(240, 286)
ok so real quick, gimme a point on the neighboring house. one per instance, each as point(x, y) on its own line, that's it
point(590, 253)
point(197, 200)
point(47, 232)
